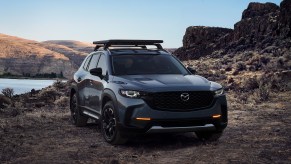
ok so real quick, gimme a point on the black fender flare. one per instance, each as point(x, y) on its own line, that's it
point(109, 94)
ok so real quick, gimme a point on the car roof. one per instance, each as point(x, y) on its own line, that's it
point(131, 51)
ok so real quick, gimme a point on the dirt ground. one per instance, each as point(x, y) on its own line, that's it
point(257, 133)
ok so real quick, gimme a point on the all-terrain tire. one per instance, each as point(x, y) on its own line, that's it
point(76, 116)
point(209, 135)
point(109, 126)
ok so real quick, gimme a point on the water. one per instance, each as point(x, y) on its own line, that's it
point(24, 85)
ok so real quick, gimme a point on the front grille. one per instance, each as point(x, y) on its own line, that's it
point(173, 100)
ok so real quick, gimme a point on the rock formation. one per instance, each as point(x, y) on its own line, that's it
point(262, 27)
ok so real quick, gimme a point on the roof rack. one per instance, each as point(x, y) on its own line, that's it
point(127, 43)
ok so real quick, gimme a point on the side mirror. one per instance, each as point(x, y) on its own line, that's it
point(192, 70)
point(96, 72)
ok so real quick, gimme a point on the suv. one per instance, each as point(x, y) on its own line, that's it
point(132, 89)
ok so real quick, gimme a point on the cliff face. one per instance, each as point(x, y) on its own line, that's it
point(261, 26)
point(200, 41)
point(20, 56)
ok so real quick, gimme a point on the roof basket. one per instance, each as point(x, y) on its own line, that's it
point(127, 43)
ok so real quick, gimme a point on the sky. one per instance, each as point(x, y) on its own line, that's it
point(90, 20)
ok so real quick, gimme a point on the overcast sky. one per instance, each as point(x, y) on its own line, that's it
point(89, 20)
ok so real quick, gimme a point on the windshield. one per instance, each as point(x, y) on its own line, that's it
point(146, 64)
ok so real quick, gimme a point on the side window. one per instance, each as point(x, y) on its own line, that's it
point(85, 66)
point(93, 62)
point(103, 64)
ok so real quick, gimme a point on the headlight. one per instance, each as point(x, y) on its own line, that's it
point(219, 92)
point(130, 93)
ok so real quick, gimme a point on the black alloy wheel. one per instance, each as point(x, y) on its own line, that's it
point(77, 118)
point(109, 126)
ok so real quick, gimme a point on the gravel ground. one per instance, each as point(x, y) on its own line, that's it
point(257, 133)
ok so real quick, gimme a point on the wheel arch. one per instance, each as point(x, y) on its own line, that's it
point(108, 95)
point(73, 90)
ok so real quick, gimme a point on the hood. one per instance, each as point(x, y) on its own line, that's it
point(165, 82)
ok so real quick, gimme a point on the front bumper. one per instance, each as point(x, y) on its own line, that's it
point(162, 121)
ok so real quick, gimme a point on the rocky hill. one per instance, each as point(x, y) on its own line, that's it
point(19, 56)
point(264, 27)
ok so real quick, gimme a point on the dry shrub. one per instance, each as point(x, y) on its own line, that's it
point(276, 81)
point(256, 62)
point(49, 94)
point(63, 101)
point(4, 101)
point(58, 84)
point(246, 56)
point(8, 92)
point(263, 92)
point(243, 97)
point(280, 62)
point(250, 84)
point(240, 66)
point(228, 68)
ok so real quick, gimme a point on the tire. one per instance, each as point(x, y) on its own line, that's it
point(109, 127)
point(77, 118)
point(208, 135)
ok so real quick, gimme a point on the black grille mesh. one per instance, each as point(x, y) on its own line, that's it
point(173, 101)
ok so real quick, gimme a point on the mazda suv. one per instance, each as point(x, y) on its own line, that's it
point(137, 87)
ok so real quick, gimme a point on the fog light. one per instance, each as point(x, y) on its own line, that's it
point(143, 118)
point(216, 116)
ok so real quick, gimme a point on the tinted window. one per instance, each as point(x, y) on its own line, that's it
point(146, 64)
point(93, 62)
point(103, 64)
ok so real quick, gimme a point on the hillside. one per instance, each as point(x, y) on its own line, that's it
point(74, 50)
point(72, 44)
point(19, 56)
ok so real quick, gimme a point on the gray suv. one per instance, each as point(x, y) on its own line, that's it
point(132, 89)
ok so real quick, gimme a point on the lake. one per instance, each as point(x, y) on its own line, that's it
point(24, 85)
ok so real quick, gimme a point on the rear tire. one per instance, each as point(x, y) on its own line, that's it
point(76, 116)
point(109, 127)
point(208, 135)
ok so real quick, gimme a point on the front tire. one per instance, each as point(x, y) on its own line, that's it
point(109, 127)
point(77, 118)
point(209, 135)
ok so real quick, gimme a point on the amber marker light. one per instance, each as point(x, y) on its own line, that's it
point(216, 116)
point(143, 118)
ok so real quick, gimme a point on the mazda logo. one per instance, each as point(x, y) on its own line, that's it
point(185, 96)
